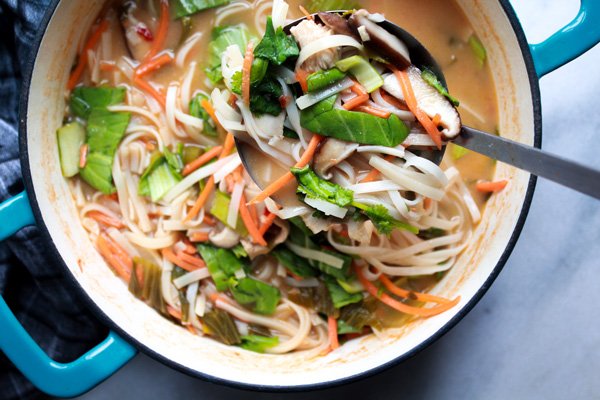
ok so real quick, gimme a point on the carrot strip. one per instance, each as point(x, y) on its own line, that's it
point(105, 219)
point(200, 161)
point(399, 306)
point(153, 65)
point(246, 71)
point(189, 247)
point(83, 151)
point(374, 174)
point(333, 333)
point(250, 224)
point(427, 202)
point(306, 13)
point(301, 75)
point(392, 100)
point(114, 256)
point(409, 294)
point(144, 85)
point(161, 33)
point(355, 102)
point(437, 118)
point(174, 312)
point(254, 214)
point(378, 112)
point(190, 259)
point(191, 329)
point(267, 223)
point(107, 66)
point(359, 89)
point(83, 56)
point(169, 255)
point(489, 187)
point(411, 102)
point(210, 184)
point(199, 237)
point(288, 177)
point(211, 111)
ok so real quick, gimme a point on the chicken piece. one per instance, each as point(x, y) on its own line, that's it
point(429, 100)
point(331, 153)
point(307, 32)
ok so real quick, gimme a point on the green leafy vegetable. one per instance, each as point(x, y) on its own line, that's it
point(311, 185)
point(70, 138)
point(105, 129)
point(239, 251)
point(383, 221)
point(357, 127)
point(343, 328)
point(84, 99)
point(223, 37)
point(275, 45)
point(321, 79)
point(478, 49)
point(431, 233)
point(220, 209)
point(257, 74)
point(329, 5)
point(288, 133)
point(351, 285)
point(363, 71)
point(317, 298)
point(296, 264)
point(190, 153)
point(98, 172)
point(196, 110)
point(189, 7)
point(222, 264)
point(221, 325)
point(338, 295)
point(299, 223)
point(433, 81)
point(358, 315)
point(261, 297)
point(158, 179)
point(259, 343)
point(150, 290)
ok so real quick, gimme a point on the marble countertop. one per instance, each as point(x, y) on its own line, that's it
point(535, 334)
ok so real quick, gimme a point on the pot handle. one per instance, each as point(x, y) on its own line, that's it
point(54, 378)
point(571, 41)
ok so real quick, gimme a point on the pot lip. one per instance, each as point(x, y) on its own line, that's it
point(107, 321)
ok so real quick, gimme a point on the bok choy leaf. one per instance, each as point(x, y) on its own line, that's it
point(188, 7)
point(258, 343)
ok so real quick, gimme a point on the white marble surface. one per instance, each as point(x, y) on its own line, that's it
point(536, 334)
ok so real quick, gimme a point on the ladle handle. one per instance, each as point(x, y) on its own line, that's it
point(577, 37)
point(557, 169)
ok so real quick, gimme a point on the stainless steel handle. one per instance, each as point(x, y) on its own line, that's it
point(557, 169)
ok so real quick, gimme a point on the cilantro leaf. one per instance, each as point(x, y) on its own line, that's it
point(384, 222)
point(276, 46)
point(310, 184)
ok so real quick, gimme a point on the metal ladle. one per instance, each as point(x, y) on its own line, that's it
point(555, 168)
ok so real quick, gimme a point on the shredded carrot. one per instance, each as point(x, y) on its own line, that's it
point(488, 187)
point(209, 220)
point(301, 75)
point(359, 89)
point(437, 118)
point(246, 71)
point(190, 259)
point(399, 306)
point(427, 202)
point(144, 85)
point(113, 196)
point(250, 224)
point(83, 56)
point(306, 13)
point(175, 313)
point(107, 66)
point(105, 219)
point(254, 214)
point(355, 102)
point(408, 294)
point(333, 333)
point(171, 256)
point(189, 247)
point(374, 174)
point(153, 64)
point(411, 102)
point(267, 223)
point(210, 184)
point(200, 161)
point(116, 257)
point(83, 151)
point(392, 100)
point(211, 111)
point(376, 111)
point(191, 329)
point(288, 177)
point(161, 33)
point(199, 237)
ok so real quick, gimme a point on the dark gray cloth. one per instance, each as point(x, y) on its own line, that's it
point(31, 283)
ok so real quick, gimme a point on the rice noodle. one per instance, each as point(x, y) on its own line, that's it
point(185, 49)
point(151, 242)
point(316, 255)
point(191, 277)
point(234, 204)
point(326, 207)
point(325, 43)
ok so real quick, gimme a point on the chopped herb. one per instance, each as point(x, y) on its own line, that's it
point(311, 185)
point(384, 222)
point(221, 325)
point(239, 251)
point(259, 343)
point(358, 127)
point(189, 7)
point(433, 81)
point(478, 49)
point(431, 233)
point(276, 46)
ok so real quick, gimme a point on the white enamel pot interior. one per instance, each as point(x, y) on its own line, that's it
point(56, 214)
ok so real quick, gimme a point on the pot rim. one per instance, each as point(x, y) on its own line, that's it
point(109, 323)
